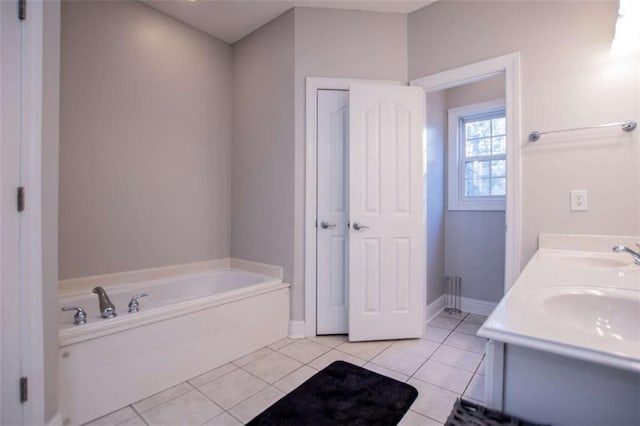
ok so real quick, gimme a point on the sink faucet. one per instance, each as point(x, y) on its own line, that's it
point(634, 254)
point(107, 309)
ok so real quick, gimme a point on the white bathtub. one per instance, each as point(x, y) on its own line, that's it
point(187, 325)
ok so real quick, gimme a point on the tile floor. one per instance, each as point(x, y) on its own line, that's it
point(447, 362)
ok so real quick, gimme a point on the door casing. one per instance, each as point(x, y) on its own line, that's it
point(509, 65)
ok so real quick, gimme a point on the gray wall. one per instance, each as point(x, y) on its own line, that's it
point(436, 189)
point(262, 153)
point(569, 79)
point(145, 133)
point(474, 240)
point(337, 43)
point(50, 139)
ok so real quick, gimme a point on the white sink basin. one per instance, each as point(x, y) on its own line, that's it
point(591, 260)
point(607, 313)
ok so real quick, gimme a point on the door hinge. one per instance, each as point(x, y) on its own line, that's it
point(24, 390)
point(22, 9)
point(20, 198)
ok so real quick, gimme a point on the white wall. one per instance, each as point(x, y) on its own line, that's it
point(475, 240)
point(262, 151)
point(569, 79)
point(337, 43)
point(145, 134)
point(436, 190)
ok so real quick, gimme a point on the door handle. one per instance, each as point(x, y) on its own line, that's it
point(358, 226)
point(326, 225)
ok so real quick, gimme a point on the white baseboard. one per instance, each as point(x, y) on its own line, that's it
point(472, 306)
point(55, 420)
point(296, 329)
point(476, 306)
point(434, 308)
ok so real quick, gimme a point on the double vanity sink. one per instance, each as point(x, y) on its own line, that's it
point(572, 315)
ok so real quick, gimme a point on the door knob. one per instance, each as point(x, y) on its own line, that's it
point(358, 226)
point(326, 225)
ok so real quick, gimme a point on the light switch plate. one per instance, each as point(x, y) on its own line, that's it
point(578, 200)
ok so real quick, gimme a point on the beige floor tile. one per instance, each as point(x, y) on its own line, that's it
point(272, 367)
point(481, 367)
point(414, 419)
point(475, 318)
point(442, 322)
point(432, 401)
point(468, 327)
point(162, 397)
point(114, 418)
point(192, 408)
point(364, 350)
point(436, 334)
point(224, 419)
point(212, 375)
point(402, 362)
point(444, 376)
point(334, 355)
point(248, 409)
point(281, 343)
point(136, 421)
point(252, 357)
point(233, 388)
point(475, 390)
point(304, 350)
point(459, 358)
point(418, 347)
point(331, 341)
point(461, 316)
point(466, 342)
point(386, 372)
point(295, 379)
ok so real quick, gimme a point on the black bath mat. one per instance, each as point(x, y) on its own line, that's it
point(341, 394)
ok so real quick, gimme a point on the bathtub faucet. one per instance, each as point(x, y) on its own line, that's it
point(107, 309)
point(634, 254)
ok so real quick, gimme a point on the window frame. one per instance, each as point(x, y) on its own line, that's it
point(456, 198)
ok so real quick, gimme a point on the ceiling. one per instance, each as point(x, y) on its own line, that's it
point(231, 20)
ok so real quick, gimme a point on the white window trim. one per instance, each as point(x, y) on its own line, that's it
point(456, 199)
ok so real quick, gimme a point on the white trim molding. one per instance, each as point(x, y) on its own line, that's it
point(434, 308)
point(313, 84)
point(297, 330)
point(509, 65)
point(476, 306)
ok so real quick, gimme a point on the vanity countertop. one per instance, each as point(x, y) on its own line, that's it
point(575, 298)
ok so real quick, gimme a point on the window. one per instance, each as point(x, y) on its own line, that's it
point(477, 157)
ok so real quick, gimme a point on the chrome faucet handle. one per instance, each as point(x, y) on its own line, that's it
point(133, 304)
point(80, 317)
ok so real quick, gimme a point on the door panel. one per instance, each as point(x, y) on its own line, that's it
point(332, 208)
point(387, 275)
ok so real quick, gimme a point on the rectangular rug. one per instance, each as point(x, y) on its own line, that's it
point(341, 394)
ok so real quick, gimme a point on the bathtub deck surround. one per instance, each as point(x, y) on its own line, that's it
point(446, 363)
point(574, 313)
point(191, 322)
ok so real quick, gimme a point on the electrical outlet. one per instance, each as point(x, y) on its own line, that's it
point(578, 200)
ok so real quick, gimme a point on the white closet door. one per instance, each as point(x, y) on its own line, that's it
point(387, 273)
point(332, 212)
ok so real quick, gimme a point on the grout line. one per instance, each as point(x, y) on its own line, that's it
point(215, 378)
point(139, 414)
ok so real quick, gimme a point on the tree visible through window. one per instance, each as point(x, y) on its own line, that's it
point(483, 159)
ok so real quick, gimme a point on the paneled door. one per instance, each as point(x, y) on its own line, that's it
point(332, 212)
point(387, 244)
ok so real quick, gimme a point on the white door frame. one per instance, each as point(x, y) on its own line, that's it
point(313, 85)
point(31, 324)
point(509, 65)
